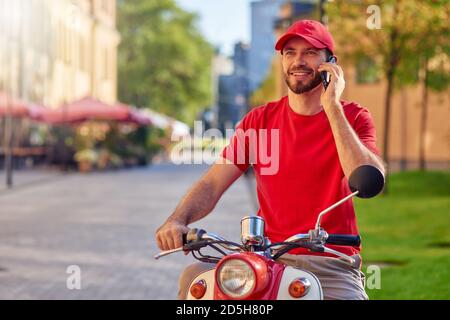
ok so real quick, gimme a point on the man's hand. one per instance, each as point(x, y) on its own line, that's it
point(330, 97)
point(197, 203)
point(170, 235)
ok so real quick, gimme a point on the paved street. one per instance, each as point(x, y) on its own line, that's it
point(105, 224)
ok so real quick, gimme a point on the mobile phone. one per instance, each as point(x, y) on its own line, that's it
point(324, 74)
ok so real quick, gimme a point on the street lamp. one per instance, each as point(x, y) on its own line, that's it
point(8, 144)
point(13, 22)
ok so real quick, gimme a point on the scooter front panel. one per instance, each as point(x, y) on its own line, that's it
point(289, 275)
point(208, 277)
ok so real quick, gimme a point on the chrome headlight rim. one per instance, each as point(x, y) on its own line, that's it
point(226, 291)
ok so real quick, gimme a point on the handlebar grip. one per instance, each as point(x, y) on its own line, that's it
point(193, 239)
point(194, 235)
point(344, 240)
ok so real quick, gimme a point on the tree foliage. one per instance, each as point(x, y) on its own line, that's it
point(410, 31)
point(164, 61)
point(267, 90)
point(407, 26)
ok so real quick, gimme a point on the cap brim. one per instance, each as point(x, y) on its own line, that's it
point(284, 39)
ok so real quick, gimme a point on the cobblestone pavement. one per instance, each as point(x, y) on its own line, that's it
point(104, 223)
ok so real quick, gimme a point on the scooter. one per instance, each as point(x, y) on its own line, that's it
point(250, 271)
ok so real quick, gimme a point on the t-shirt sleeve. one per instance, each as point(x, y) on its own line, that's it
point(237, 151)
point(365, 129)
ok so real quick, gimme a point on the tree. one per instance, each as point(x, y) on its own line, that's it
point(426, 59)
point(268, 88)
point(389, 41)
point(164, 61)
point(436, 76)
point(433, 52)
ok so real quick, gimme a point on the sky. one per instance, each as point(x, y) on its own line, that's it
point(223, 22)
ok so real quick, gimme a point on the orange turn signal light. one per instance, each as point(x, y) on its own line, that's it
point(198, 289)
point(299, 288)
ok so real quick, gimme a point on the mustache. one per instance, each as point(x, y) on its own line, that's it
point(300, 69)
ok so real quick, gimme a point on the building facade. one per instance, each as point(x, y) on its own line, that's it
point(56, 51)
point(234, 89)
point(264, 14)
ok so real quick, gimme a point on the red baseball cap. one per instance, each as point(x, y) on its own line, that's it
point(312, 31)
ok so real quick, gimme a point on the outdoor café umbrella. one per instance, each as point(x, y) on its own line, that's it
point(17, 107)
point(135, 115)
point(179, 129)
point(87, 109)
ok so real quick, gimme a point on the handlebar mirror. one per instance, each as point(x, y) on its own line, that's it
point(367, 180)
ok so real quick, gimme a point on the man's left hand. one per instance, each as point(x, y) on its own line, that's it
point(330, 97)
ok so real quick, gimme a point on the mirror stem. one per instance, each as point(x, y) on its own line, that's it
point(332, 207)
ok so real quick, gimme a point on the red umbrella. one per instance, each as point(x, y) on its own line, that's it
point(140, 118)
point(135, 115)
point(17, 107)
point(37, 111)
point(87, 109)
point(81, 110)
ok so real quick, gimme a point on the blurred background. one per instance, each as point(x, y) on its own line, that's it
point(95, 95)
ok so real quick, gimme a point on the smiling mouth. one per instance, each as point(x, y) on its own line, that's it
point(300, 74)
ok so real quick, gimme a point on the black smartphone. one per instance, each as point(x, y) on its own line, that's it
point(324, 74)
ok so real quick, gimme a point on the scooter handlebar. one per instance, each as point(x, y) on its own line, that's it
point(344, 240)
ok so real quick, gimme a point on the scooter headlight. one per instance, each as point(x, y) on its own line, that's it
point(236, 278)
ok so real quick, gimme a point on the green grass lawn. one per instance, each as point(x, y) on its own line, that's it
point(407, 233)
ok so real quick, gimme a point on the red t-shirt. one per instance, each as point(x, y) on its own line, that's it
point(299, 173)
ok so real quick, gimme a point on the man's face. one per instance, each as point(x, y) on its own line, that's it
point(300, 62)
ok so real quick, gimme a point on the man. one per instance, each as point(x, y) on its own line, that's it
point(321, 140)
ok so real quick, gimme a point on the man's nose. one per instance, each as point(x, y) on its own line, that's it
point(299, 60)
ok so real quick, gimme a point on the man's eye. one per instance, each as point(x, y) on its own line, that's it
point(310, 52)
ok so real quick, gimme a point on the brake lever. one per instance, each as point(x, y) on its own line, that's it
point(167, 252)
point(341, 255)
point(187, 247)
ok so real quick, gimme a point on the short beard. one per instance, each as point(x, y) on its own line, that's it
point(299, 87)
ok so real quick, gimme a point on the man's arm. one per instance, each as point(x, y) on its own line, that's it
point(352, 152)
point(197, 203)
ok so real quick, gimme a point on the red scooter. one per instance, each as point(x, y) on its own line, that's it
point(250, 271)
